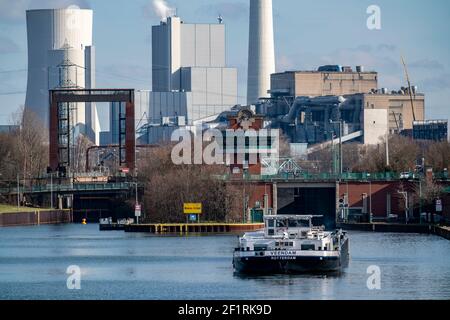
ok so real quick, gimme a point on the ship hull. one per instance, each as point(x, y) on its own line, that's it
point(292, 264)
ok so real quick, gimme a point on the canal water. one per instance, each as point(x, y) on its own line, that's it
point(116, 265)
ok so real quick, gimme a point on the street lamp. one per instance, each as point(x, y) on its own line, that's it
point(340, 122)
point(0, 181)
point(370, 198)
point(405, 196)
point(18, 193)
point(137, 202)
point(51, 190)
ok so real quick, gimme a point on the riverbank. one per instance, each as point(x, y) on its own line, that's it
point(398, 228)
point(14, 217)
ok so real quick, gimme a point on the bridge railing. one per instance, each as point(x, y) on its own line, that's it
point(304, 176)
point(69, 188)
point(388, 176)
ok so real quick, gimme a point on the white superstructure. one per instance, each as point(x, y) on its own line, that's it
point(61, 55)
point(261, 53)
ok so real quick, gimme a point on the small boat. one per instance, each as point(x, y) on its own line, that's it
point(291, 244)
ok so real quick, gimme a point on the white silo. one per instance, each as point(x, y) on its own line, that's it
point(61, 55)
point(261, 53)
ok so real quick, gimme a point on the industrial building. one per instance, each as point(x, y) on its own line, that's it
point(401, 112)
point(61, 55)
point(361, 117)
point(142, 107)
point(190, 75)
point(261, 52)
point(335, 102)
point(433, 130)
point(324, 82)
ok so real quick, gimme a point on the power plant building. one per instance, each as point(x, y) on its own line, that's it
point(323, 83)
point(308, 105)
point(61, 55)
point(141, 109)
point(190, 75)
point(431, 130)
point(401, 114)
point(363, 117)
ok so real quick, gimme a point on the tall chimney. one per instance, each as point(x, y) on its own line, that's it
point(261, 53)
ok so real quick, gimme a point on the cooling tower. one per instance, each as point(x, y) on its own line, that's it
point(261, 53)
point(61, 55)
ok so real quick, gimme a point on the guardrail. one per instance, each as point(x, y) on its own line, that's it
point(311, 177)
point(317, 177)
point(70, 188)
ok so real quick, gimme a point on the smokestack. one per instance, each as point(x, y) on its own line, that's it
point(261, 53)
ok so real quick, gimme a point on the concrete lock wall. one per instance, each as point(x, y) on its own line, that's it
point(35, 218)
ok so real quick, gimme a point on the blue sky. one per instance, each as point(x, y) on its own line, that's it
point(307, 34)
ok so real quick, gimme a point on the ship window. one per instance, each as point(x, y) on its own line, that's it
point(261, 248)
point(248, 248)
point(291, 244)
point(281, 224)
point(298, 224)
point(271, 232)
point(308, 247)
point(320, 248)
point(270, 223)
point(277, 244)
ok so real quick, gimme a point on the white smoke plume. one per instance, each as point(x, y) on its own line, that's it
point(163, 10)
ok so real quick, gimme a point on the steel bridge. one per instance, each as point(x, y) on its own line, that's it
point(58, 188)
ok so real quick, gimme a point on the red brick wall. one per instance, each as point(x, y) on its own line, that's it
point(378, 191)
point(255, 191)
point(258, 124)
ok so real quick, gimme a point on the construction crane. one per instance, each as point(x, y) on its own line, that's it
point(396, 122)
point(409, 89)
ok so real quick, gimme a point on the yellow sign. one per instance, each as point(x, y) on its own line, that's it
point(192, 208)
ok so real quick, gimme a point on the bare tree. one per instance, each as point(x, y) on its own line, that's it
point(32, 145)
point(427, 192)
point(79, 153)
point(320, 161)
point(8, 156)
point(438, 155)
point(403, 153)
point(168, 187)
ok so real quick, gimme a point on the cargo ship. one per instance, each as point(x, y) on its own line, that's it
point(290, 244)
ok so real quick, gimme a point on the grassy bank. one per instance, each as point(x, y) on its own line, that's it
point(4, 208)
